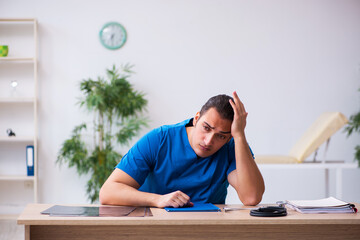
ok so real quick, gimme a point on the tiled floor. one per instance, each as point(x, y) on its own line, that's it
point(9, 230)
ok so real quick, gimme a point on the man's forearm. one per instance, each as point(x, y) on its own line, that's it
point(114, 193)
point(250, 184)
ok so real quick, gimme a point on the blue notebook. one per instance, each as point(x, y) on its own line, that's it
point(198, 207)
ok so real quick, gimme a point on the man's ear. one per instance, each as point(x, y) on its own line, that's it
point(196, 118)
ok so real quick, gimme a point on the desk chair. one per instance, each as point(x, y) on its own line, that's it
point(319, 132)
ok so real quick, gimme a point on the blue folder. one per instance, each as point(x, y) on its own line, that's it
point(30, 160)
point(198, 207)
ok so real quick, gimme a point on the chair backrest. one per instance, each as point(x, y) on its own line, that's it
point(321, 130)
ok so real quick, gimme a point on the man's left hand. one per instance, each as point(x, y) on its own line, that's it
point(239, 122)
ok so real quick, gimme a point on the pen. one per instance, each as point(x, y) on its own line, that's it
point(227, 209)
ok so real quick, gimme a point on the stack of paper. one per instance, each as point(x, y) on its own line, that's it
point(326, 205)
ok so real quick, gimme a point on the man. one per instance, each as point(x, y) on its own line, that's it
point(192, 161)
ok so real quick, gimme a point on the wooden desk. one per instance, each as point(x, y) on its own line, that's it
point(208, 225)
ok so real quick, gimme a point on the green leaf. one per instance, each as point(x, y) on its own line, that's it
point(352, 127)
point(74, 152)
point(357, 154)
point(129, 128)
point(354, 124)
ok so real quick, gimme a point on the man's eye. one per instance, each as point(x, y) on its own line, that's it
point(222, 137)
point(206, 128)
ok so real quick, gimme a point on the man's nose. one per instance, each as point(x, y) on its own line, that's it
point(209, 138)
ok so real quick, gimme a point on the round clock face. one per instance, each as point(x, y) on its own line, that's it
point(112, 35)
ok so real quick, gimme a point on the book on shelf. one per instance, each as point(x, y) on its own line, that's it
point(325, 205)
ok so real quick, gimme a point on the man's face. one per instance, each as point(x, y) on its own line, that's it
point(210, 133)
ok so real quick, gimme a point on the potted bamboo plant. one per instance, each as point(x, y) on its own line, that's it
point(117, 111)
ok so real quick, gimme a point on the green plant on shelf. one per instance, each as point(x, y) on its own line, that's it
point(118, 117)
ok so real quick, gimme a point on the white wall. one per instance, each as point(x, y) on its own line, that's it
point(289, 61)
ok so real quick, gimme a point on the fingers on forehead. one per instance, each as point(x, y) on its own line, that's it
point(238, 102)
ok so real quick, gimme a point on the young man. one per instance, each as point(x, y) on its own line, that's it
point(192, 161)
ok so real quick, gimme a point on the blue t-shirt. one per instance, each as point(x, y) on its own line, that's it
point(163, 161)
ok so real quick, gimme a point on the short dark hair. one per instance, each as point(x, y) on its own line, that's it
point(222, 106)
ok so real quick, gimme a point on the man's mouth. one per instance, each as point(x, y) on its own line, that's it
point(204, 148)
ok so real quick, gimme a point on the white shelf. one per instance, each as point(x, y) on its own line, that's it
point(16, 178)
point(8, 211)
point(17, 100)
point(17, 20)
point(9, 216)
point(17, 139)
point(17, 59)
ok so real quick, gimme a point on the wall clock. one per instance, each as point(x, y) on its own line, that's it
point(112, 35)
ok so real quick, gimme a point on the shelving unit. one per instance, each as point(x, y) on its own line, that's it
point(18, 111)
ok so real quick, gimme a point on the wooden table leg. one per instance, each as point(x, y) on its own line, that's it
point(27, 232)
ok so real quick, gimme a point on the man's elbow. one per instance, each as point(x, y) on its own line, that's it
point(252, 199)
point(104, 196)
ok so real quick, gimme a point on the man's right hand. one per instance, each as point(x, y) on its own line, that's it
point(174, 199)
point(121, 189)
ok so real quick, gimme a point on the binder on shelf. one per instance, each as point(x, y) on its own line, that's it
point(30, 160)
